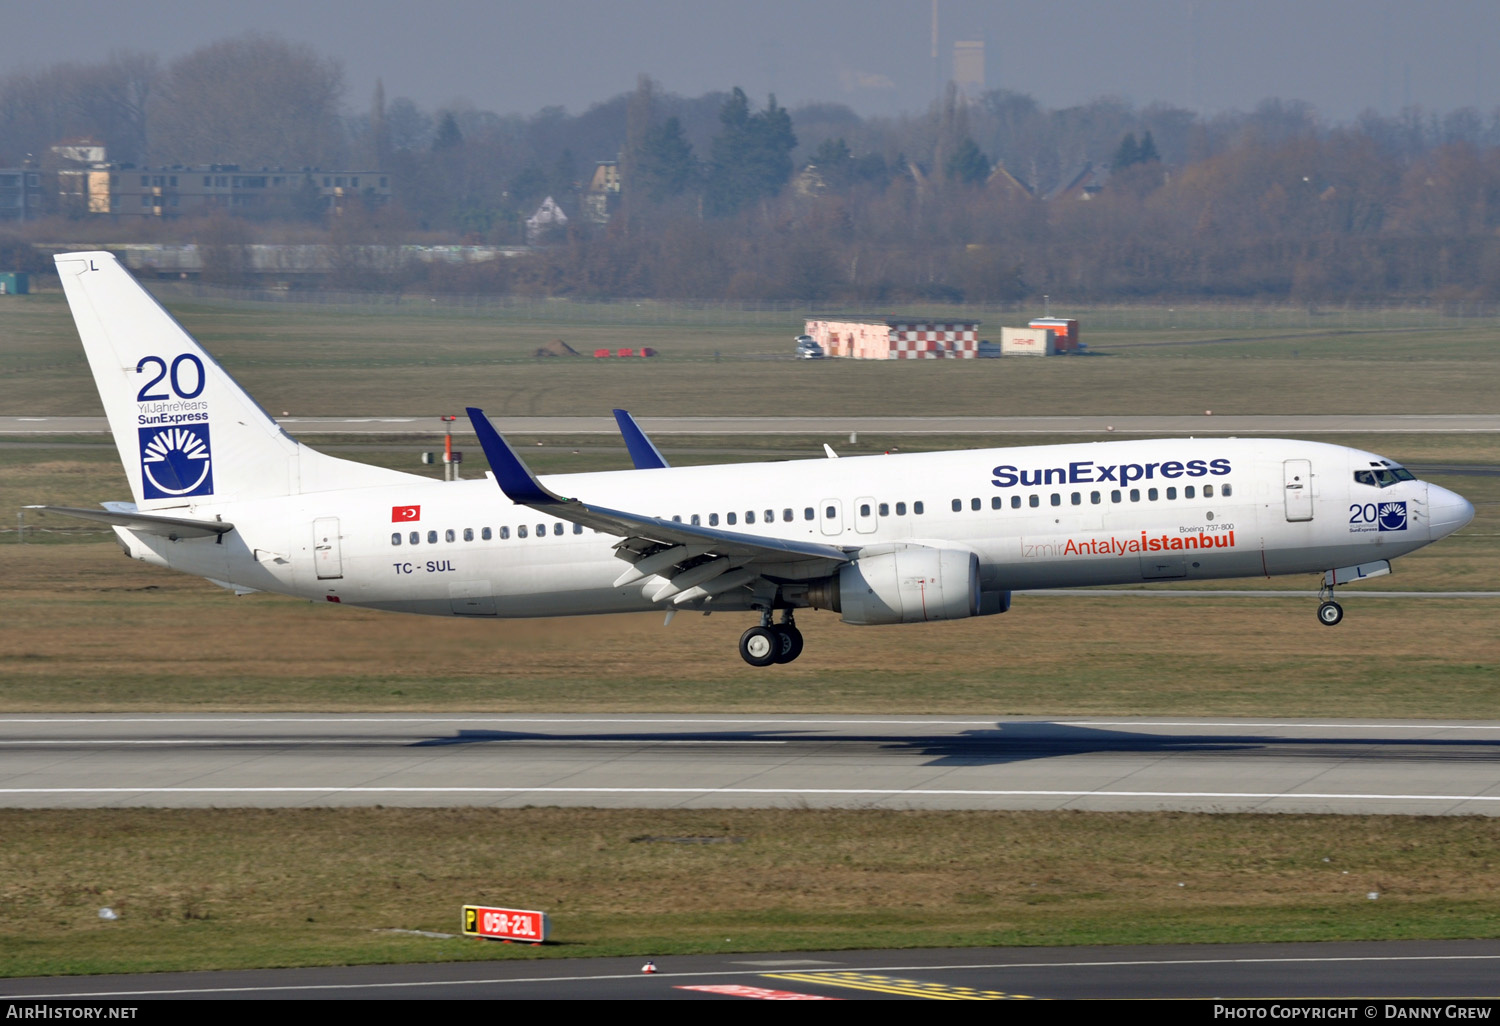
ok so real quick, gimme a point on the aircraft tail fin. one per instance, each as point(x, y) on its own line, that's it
point(186, 431)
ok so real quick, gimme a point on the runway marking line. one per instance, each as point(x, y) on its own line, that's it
point(895, 985)
point(790, 791)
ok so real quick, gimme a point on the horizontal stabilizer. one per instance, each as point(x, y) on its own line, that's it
point(149, 523)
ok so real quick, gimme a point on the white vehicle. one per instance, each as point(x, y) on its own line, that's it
point(221, 491)
point(808, 348)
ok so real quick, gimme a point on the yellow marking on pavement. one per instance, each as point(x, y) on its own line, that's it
point(906, 988)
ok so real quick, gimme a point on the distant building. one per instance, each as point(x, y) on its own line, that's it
point(896, 338)
point(548, 216)
point(21, 194)
point(87, 184)
point(968, 68)
point(603, 193)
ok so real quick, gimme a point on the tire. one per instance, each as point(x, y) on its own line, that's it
point(759, 646)
point(790, 639)
point(1330, 613)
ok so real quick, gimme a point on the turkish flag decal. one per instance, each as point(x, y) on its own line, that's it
point(405, 514)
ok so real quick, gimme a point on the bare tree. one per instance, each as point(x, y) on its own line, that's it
point(256, 100)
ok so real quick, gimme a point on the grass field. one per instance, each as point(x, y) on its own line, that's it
point(232, 889)
point(81, 629)
point(414, 362)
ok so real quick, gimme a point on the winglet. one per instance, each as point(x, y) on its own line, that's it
point(515, 479)
point(643, 453)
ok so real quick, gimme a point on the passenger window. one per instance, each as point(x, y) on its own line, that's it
point(1114, 495)
point(557, 528)
point(917, 509)
point(1226, 491)
point(900, 509)
point(1188, 492)
point(864, 509)
point(1095, 498)
point(677, 518)
point(786, 514)
point(1078, 498)
point(713, 520)
point(975, 504)
point(1034, 501)
point(958, 505)
point(885, 509)
point(449, 536)
point(468, 534)
point(541, 530)
point(1208, 491)
point(1151, 494)
point(414, 537)
point(485, 534)
point(749, 516)
point(396, 538)
point(808, 514)
point(577, 528)
point(833, 511)
point(505, 533)
point(431, 537)
point(770, 516)
point(1171, 493)
point(1135, 495)
point(995, 502)
point(730, 518)
point(695, 521)
point(1056, 499)
point(1015, 502)
point(521, 531)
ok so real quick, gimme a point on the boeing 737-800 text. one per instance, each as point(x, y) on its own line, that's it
point(221, 491)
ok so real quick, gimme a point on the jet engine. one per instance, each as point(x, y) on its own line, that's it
point(907, 585)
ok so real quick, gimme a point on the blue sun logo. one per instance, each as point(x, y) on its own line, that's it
point(1392, 516)
point(175, 462)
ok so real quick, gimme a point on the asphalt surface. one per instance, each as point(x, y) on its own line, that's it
point(708, 761)
point(1289, 426)
point(1364, 974)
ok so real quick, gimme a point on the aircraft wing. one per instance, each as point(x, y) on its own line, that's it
point(149, 523)
point(714, 557)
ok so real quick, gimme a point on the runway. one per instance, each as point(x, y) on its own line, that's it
point(1408, 971)
point(708, 761)
point(1168, 426)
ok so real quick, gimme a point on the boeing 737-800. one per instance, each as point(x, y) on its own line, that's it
point(219, 490)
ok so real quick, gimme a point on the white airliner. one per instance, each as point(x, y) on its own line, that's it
point(222, 492)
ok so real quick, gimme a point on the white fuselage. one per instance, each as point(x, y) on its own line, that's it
point(1036, 516)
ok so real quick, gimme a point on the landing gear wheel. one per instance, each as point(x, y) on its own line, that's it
point(759, 646)
point(789, 642)
point(1330, 613)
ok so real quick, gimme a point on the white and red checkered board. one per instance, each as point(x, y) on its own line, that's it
point(928, 341)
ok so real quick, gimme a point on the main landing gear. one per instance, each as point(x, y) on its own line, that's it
point(771, 643)
point(1329, 611)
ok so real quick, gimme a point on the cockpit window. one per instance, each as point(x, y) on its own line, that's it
point(1387, 475)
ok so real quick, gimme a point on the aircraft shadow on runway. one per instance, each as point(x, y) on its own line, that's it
point(1019, 742)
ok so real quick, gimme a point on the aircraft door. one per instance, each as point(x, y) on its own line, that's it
point(831, 516)
point(1299, 496)
point(865, 520)
point(327, 556)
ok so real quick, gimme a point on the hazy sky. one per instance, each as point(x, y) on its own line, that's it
point(875, 55)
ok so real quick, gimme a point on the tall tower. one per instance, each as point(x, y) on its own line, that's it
point(968, 68)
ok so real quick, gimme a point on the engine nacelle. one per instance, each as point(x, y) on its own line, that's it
point(908, 585)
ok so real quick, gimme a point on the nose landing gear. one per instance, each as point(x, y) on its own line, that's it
point(771, 643)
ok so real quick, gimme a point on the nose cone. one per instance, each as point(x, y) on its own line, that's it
point(1448, 511)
